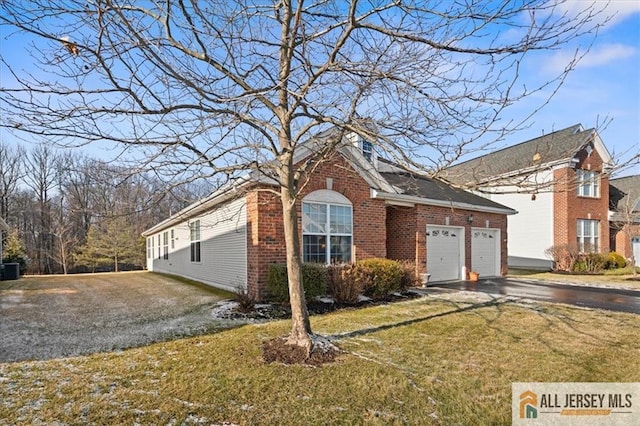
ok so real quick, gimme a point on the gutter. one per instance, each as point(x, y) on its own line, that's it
point(410, 201)
point(222, 195)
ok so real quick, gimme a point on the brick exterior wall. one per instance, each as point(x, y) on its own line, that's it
point(621, 242)
point(407, 232)
point(378, 230)
point(569, 207)
point(265, 232)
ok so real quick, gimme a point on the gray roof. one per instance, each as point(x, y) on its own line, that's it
point(548, 149)
point(435, 189)
point(624, 193)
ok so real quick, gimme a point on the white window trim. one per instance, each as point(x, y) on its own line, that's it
point(328, 234)
point(195, 231)
point(594, 238)
point(588, 179)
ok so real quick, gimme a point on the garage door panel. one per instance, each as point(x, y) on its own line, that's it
point(444, 253)
point(485, 252)
point(636, 250)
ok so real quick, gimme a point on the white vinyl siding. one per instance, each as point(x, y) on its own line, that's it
point(635, 243)
point(223, 248)
point(531, 229)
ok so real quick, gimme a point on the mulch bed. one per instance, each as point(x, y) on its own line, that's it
point(277, 350)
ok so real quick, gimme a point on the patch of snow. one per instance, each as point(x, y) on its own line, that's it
point(362, 298)
point(326, 299)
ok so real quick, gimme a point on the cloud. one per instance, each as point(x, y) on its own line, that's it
point(617, 10)
point(601, 55)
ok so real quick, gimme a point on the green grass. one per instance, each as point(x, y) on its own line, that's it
point(425, 361)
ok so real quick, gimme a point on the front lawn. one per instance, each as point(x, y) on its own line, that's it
point(611, 278)
point(430, 360)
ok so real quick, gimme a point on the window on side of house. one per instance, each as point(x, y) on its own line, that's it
point(173, 240)
point(588, 183)
point(159, 247)
point(165, 245)
point(588, 236)
point(194, 231)
point(149, 247)
point(326, 233)
point(367, 150)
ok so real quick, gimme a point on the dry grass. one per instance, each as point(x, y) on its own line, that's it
point(614, 278)
point(430, 360)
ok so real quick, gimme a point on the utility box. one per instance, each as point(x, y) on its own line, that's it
point(11, 271)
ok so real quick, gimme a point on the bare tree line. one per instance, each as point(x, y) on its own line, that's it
point(75, 213)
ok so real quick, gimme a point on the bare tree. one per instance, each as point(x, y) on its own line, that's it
point(191, 89)
point(11, 172)
point(41, 176)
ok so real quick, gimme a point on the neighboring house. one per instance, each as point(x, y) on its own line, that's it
point(558, 183)
point(624, 194)
point(354, 206)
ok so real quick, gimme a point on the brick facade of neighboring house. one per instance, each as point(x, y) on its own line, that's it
point(559, 185)
point(569, 206)
point(390, 212)
point(624, 207)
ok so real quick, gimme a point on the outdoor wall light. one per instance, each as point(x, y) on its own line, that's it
point(470, 219)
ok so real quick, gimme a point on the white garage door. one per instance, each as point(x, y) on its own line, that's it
point(444, 252)
point(485, 252)
point(636, 250)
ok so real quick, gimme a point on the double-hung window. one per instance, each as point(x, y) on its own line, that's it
point(588, 183)
point(150, 247)
point(588, 236)
point(165, 245)
point(159, 247)
point(326, 232)
point(194, 228)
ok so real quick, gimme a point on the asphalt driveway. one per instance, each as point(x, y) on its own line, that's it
point(60, 316)
point(612, 299)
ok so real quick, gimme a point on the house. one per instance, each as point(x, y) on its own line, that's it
point(624, 216)
point(559, 185)
point(353, 206)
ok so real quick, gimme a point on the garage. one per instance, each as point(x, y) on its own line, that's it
point(445, 252)
point(485, 251)
point(636, 249)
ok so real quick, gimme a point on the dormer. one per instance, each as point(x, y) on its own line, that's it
point(365, 147)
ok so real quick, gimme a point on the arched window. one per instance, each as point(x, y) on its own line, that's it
point(327, 227)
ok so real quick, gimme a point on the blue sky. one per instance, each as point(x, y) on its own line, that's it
point(604, 86)
point(602, 92)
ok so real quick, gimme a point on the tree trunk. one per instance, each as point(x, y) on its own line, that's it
point(300, 324)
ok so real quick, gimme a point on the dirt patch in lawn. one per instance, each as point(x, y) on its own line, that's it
point(278, 350)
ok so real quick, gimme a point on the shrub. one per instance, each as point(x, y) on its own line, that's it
point(14, 252)
point(246, 303)
point(409, 276)
point(379, 277)
point(563, 255)
point(615, 261)
point(314, 281)
point(590, 263)
point(343, 285)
